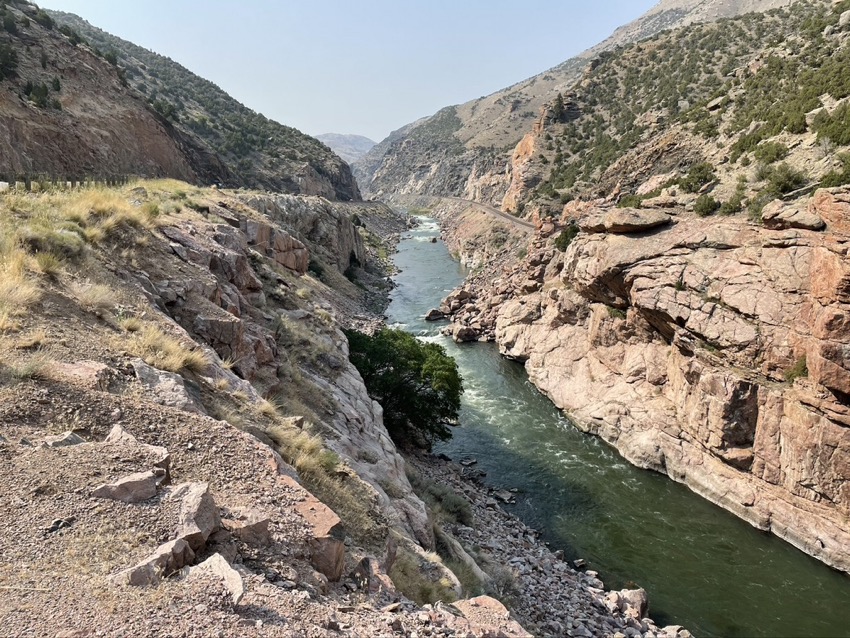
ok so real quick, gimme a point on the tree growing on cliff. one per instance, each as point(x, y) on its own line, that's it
point(416, 383)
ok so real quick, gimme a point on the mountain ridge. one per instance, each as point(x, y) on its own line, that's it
point(257, 151)
point(492, 126)
point(348, 146)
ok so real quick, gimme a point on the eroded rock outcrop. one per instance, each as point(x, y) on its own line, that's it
point(714, 351)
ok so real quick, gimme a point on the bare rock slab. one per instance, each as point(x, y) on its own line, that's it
point(134, 488)
point(167, 559)
point(252, 528)
point(327, 547)
point(119, 436)
point(217, 567)
point(166, 388)
point(624, 221)
point(199, 517)
point(778, 216)
point(66, 439)
point(486, 616)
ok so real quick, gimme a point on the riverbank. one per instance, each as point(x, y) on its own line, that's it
point(543, 591)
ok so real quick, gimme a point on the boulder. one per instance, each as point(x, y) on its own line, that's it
point(634, 603)
point(485, 616)
point(66, 439)
point(778, 216)
point(462, 334)
point(166, 388)
point(372, 579)
point(252, 528)
point(199, 516)
point(844, 19)
point(119, 436)
point(91, 375)
point(624, 221)
point(167, 559)
point(134, 488)
point(327, 547)
point(217, 567)
point(435, 315)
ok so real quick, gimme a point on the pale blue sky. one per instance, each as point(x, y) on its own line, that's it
point(359, 66)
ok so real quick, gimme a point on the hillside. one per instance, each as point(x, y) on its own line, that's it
point(189, 446)
point(258, 152)
point(684, 294)
point(65, 113)
point(348, 147)
point(732, 99)
point(489, 128)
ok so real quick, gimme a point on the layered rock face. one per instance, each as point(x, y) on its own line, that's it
point(218, 290)
point(712, 350)
point(325, 224)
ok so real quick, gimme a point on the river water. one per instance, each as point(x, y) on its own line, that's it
point(702, 567)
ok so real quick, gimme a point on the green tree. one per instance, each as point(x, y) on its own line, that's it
point(8, 61)
point(416, 383)
point(558, 108)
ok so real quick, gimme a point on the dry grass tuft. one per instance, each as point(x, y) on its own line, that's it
point(48, 264)
point(18, 290)
point(409, 576)
point(32, 340)
point(94, 297)
point(165, 352)
point(130, 324)
point(33, 365)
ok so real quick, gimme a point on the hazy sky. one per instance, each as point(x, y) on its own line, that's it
point(359, 66)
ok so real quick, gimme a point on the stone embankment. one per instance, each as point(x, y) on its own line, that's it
point(712, 350)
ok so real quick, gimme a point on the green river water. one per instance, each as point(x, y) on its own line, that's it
point(702, 567)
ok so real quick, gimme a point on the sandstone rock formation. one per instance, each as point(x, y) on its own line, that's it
point(712, 352)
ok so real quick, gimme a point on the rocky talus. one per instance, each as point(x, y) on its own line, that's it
point(549, 596)
point(710, 349)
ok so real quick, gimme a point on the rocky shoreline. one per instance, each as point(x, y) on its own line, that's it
point(548, 596)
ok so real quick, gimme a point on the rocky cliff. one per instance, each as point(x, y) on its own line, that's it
point(712, 352)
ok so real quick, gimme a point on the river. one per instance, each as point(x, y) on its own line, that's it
point(702, 567)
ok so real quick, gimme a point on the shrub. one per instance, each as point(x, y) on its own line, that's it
point(630, 201)
point(838, 178)
point(417, 384)
point(566, 237)
point(43, 19)
point(770, 152)
point(444, 503)
point(784, 179)
point(698, 176)
point(798, 370)
point(706, 205)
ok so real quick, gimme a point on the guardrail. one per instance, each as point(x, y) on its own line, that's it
point(40, 183)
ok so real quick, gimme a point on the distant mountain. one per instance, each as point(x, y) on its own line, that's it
point(258, 152)
point(463, 150)
point(348, 147)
